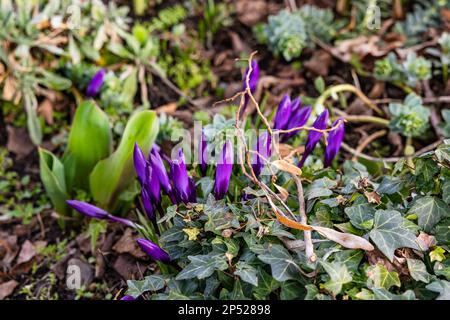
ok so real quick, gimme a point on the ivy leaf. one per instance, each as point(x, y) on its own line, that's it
point(380, 277)
point(446, 192)
point(390, 185)
point(320, 188)
point(430, 211)
point(247, 273)
point(292, 290)
point(150, 283)
point(339, 276)
point(418, 270)
point(266, 285)
point(281, 262)
point(442, 287)
point(389, 233)
point(203, 266)
point(359, 214)
point(383, 294)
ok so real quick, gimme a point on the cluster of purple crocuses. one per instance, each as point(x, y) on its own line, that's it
point(291, 115)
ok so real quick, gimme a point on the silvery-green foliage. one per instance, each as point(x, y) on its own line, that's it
point(409, 118)
point(416, 68)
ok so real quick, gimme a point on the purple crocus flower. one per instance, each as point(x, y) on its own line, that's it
point(314, 136)
point(88, 209)
point(283, 113)
point(96, 83)
point(95, 212)
point(180, 178)
point(159, 171)
point(203, 157)
point(224, 170)
point(334, 142)
point(140, 164)
point(128, 298)
point(192, 191)
point(152, 185)
point(153, 250)
point(262, 146)
point(147, 204)
point(253, 83)
point(298, 119)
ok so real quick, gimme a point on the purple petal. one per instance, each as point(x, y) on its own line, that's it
point(123, 221)
point(160, 171)
point(153, 186)
point(147, 203)
point(334, 142)
point(96, 83)
point(299, 118)
point(254, 77)
point(88, 209)
point(262, 146)
point(203, 157)
point(224, 170)
point(180, 178)
point(192, 191)
point(128, 298)
point(154, 251)
point(314, 136)
point(140, 164)
point(283, 113)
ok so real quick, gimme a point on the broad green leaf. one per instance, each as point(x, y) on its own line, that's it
point(53, 179)
point(150, 283)
point(281, 262)
point(89, 141)
point(113, 175)
point(383, 294)
point(203, 266)
point(292, 290)
point(54, 81)
point(418, 270)
point(247, 273)
point(446, 191)
point(320, 188)
point(442, 287)
point(351, 258)
point(339, 276)
point(442, 269)
point(430, 211)
point(266, 285)
point(389, 233)
point(360, 213)
point(380, 277)
point(129, 87)
point(390, 185)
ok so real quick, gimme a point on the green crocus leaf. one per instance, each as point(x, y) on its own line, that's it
point(53, 179)
point(389, 233)
point(113, 175)
point(89, 142)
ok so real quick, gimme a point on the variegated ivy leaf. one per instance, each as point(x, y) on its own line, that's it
point(418, 270)
point(383, 294)
point(442, 287)
point(339, 275)
point(430, 210)
point(150, 283)
point(203, 266)
point(281, 262)
point(380, 277)
point(359, 214)
point(389, 233)
point(247, 273)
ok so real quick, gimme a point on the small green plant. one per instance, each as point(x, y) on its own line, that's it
point(409, 118)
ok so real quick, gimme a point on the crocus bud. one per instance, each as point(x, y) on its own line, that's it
point(153, 250)
point(96, 83)
point(253, 83)
point(283, 113)
point(147, 203)
point(334, 142)
point(152, 185)
point(128, 298)
point(262, 146)
point(88, 209)
point(202, 157)
point(224, 170)
point(159, 170)
point(192, 191)
point(180, 178)
point(140, 164)
point(298, 119)
point(97, 213)
point(314, 136)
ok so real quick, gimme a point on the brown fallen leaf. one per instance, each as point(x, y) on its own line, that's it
point(250, 12)
point(8, 249)
point(127, 244)
point(168, 109)
point(345, 239)
point(287, 167)
point(27, 252)
point(284, 194)
point(45, 109)
point(425, 241)
point(19, 142)
point(319, 63)
point(373, 197)
point(7, 288)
